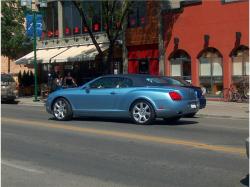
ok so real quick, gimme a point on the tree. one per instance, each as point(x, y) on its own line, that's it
point(13, 31)
point(115, 13)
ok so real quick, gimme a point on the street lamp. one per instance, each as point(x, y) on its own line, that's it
point(28, 5)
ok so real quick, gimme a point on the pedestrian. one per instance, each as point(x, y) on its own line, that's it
point(203, 90)
point(59, 82)
point(69, 81)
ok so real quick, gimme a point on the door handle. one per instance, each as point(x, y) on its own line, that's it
point(112, 93)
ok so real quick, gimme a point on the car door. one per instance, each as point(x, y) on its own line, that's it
point(121, 92)
point(98, 98)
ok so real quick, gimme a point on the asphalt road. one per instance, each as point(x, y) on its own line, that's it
point(196, 152)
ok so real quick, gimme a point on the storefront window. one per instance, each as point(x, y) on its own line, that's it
point(240, 65)
point(211, 72)
point(51, 21)
point(181, 65)
point(176, 68)
point(240, 61)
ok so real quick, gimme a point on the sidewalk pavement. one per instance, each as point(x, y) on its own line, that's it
point(213, 108)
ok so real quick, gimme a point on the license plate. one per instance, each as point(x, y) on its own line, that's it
point(193, 105)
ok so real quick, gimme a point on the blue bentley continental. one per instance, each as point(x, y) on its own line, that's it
point(143, 98)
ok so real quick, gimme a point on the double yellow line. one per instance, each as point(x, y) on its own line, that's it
point(128, 135)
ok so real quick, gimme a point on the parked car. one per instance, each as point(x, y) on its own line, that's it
point(140, 97)
point(8, 88)
point(180, 82)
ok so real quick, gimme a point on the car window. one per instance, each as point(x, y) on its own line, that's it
point(124, 83)
point(7, 78)
point(105, 82)
point(154, 81)
point(173, 82)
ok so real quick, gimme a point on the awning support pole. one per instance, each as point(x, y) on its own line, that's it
point(35, 62)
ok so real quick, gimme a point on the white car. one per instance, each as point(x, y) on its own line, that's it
point(8, 88)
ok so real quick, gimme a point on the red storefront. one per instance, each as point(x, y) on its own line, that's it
point(143, 59)
point(208, 42)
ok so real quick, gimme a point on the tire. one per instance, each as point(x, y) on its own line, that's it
point(142, 112)
point(190, 115)
point(62, 109)
point(172, 119)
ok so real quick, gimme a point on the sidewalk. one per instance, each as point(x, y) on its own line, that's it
point(213, 108)
point(225, 110)
point(28, 101)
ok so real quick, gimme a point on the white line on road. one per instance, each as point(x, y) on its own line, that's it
point(6, 163)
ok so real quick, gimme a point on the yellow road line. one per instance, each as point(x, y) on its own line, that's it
point(127, 135)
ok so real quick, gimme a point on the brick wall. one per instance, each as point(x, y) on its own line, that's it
point(149, 33)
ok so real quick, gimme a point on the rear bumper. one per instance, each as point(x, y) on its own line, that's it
point(203, 102)
point(8, 97)
point(179, 109)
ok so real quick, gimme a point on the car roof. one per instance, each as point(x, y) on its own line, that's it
point(138, 79)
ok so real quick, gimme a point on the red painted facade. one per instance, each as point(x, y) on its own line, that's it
point(188, 26)
point(220, 21)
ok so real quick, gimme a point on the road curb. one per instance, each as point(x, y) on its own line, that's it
point(32, 104)
point(220, 116)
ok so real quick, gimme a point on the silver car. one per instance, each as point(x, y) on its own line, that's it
point(8, 88)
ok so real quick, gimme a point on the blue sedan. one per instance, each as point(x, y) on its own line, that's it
point(139, 97)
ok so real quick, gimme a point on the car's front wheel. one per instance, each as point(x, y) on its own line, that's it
point(62, 109)
point(142, 112)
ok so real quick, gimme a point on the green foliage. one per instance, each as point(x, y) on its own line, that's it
point(13, 30)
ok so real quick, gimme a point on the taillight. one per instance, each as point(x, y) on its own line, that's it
point(175, 96)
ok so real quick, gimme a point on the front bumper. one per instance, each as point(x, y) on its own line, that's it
point(48, 105)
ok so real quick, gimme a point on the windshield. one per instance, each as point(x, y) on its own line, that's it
point(7, 78)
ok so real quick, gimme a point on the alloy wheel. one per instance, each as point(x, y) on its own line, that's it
point(141, 112)
point(60, 109)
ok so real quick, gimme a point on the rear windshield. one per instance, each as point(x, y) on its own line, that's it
point(176, 82)
point(155, 81)
point(7, 78)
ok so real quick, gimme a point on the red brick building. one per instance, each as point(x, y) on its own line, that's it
point(206, 42)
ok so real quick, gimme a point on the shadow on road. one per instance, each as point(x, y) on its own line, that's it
point(10, 102)
point(245, 181)
point(126, 121)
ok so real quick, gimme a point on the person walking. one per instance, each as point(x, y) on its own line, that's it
point(203, 90)
point(69, 81)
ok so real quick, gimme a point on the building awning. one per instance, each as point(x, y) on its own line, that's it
point(64, 54)
point(79, 53)
point(42, 56)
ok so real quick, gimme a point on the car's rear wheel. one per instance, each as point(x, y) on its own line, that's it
point(142, 112)
point(62, 109)
point(172, 119)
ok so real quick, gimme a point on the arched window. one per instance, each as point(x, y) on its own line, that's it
point(211, 71)
point(180, 64)
point(240, 59)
